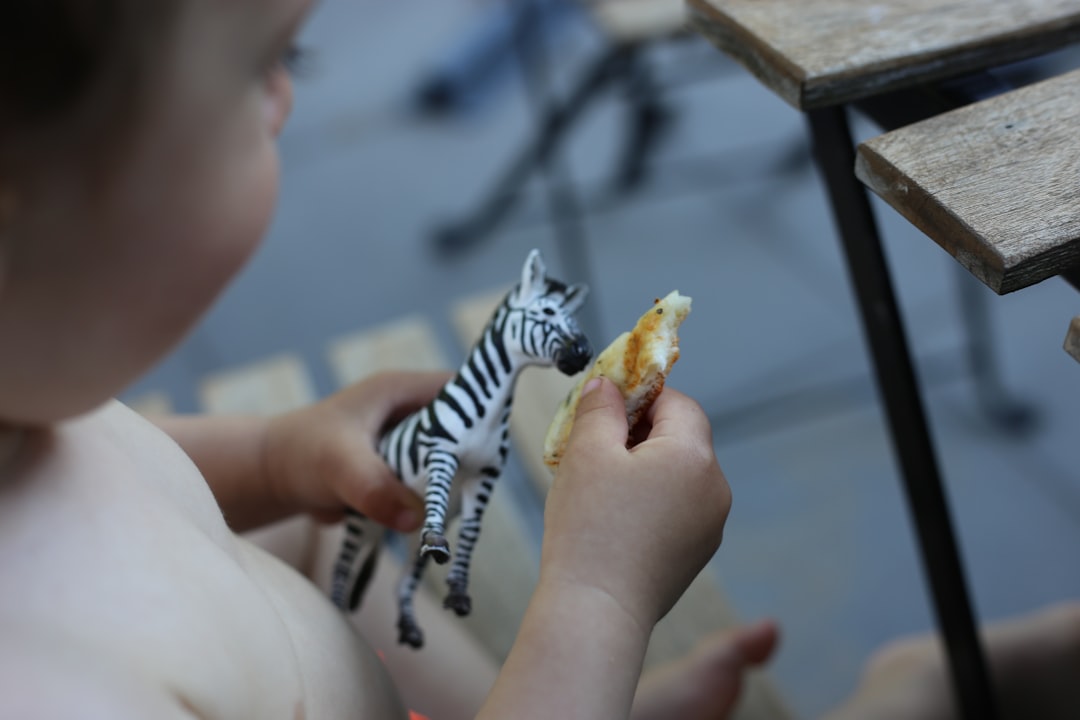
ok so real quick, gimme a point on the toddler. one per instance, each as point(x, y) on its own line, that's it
point(138, 172)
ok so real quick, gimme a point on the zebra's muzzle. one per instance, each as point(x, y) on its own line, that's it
point(574, 356)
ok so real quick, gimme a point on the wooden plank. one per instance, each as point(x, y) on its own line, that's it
point(505, 562)
point(704, 607)
point(405, 344)
point(1072, 339)
point(268, 387)
point(638, 21)
point(817, 53)
point(152, 403)
point(994, 183)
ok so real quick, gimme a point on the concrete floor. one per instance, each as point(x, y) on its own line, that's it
point(819, 537)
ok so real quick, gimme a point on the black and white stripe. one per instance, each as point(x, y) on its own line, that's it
point(453, 450)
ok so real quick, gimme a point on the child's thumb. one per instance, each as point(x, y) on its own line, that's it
point(601, 414)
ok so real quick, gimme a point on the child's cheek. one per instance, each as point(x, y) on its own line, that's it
point(228, 221)
point(278, 101)
point(252, 215)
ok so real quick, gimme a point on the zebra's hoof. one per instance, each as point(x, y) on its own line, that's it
point(410, 634)
point(436, 547)
point(460, 603)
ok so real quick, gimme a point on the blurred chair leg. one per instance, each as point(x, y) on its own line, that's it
point(649, 119)
point(557, 119)
point(1004, 409)
point(564, 206)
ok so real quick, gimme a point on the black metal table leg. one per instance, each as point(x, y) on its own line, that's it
point(835, 154)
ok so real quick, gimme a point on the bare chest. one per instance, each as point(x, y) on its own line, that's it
point(125, 552)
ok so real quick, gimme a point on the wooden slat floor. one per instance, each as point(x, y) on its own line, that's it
point(506, 561)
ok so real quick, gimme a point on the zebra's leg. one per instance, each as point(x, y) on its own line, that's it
point(474, 499)
point(440, 467)
point(409, 632)
point(354, 567)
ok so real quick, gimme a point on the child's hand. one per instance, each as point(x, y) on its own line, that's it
point(322, 458)
point(637, 524)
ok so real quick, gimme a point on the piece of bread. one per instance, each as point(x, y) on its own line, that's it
point(637, 362)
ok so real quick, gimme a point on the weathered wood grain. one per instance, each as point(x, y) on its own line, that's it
point(817, 53)
point(1072, 339)
point(996, 184)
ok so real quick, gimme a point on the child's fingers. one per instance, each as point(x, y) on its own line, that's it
point(601, 417)
point(674, 414)
point(758, 641)
point(389, 503)
point(369, 486)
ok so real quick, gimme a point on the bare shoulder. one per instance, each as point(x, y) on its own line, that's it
point(47, 677)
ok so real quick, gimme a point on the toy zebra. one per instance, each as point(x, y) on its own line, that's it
point(453, 450)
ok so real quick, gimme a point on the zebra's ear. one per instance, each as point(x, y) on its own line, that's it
point(575, 297)
point(533, 275)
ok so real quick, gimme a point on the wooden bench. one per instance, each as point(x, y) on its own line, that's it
point(506, 561)
point(704, 607)
point(822, 56)
point(996, 184)
point(821, 53)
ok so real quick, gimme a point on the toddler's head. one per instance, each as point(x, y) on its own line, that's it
point(138, 170)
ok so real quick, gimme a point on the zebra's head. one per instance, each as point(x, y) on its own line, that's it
point(546, 331)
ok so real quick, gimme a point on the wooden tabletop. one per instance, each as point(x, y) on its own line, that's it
point(997, 183)
point(817, 53)
point(1072, 339)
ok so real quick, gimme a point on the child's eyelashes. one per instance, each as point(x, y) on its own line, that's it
point(294, 60)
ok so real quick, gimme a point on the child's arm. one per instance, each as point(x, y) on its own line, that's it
point(578, 654)
point(229, 451)
point(626, 531)
point(316, 460)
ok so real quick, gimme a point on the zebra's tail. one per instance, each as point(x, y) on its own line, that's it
point(356, 561)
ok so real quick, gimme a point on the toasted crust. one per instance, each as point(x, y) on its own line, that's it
point(638, 362)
